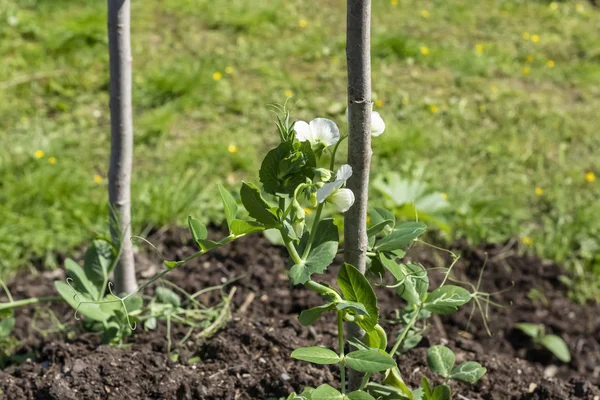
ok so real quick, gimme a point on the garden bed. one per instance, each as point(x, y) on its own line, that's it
point(250, 357)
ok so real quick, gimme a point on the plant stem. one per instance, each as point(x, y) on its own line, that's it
point(313, 230)
point(340, 318)
point(405, 331)
point(26, 302)
point(334, 151)
point(365, 380)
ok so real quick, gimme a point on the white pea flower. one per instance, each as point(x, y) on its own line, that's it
point(319, 131)
point(377, 123)
point(333, 192)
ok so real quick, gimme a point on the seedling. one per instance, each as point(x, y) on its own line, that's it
point(555, 344)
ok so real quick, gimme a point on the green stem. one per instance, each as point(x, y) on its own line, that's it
point(26, 302)
point(405, 331)
point(313, 231)
point(334, 151)
point(365, 380)
point(340, 318)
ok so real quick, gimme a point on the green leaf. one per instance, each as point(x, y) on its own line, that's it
point(379, 215)
point(318, 260)
point(469, 372)
point(326, 392)
point(80, 280)
point(150, 323)
point(229, 205)
point(371, 360)
point(287, 166)
point(401, 237)
point(89, 308)
point(557, 346)
point(98, 261)
point(198, 229)
point(111, 305)
point(447, 299)
point(360, 395)
point(440, 360)
point(354, 307)
point(415, 284)
point(308, 317)
point(441, 392)
point(133, 303)
point(239, 227)
point(167, 296)
point(317, 355)
point(6, 327)
point(355, 287)
point(375, 229)
point(256, 206)
point(172, 264)
point(394, 378)
point(391, 265)
point(426, 387)
point(529, 329)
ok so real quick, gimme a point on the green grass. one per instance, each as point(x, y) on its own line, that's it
point(497, 134)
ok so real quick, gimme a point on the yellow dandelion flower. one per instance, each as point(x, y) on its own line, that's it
point(38, 154)
point(405, 100)
point(527, 241)
point(530, 58)
point(232, 148)
point(579, 7)
point(217, 76)
point(535, 38)
point(479, 48)
point(590, 176)
point(424, 13)
point(379, 103)
point(553, 6)
point(368, 219)
point(526, 70)
point(526, 36)
point(433, 108)
point(445, 196)
point(288, 93)
point(302, 23)
point(52, 160)
point(307, 210)
point(394, 2)
point(539, 191)
point(424, 50)
point(229, 70)
point(550, 64)
point(97, 178)
point(494, 89)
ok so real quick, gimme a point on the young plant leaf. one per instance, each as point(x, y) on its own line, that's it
point(326, 392)
point(150, 323)
point(532, 330)
point(469, 372)
point(352, 306)
point(229, 205)
point(440, 360)
point(394, 378)
point(447, 299)
point(308, 317)
point(321, 255)
point(415, 285)
point(167, 296)
point(441, 392)
point(256, 206)
point(197, 229)
point(317, 355)
point(401, 237)
point(379, 215)
point(81, 302)
point(355, 287)
point(239, 227)
point(375, 229)
point(557, 346)
point(371, 360)
point(98, 261)
point(6, 327)
point(359, 395)
point(80, 281)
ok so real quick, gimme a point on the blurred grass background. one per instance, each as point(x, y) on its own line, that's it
point(492, 104)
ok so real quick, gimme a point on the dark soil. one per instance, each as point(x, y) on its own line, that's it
point(250, 357)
